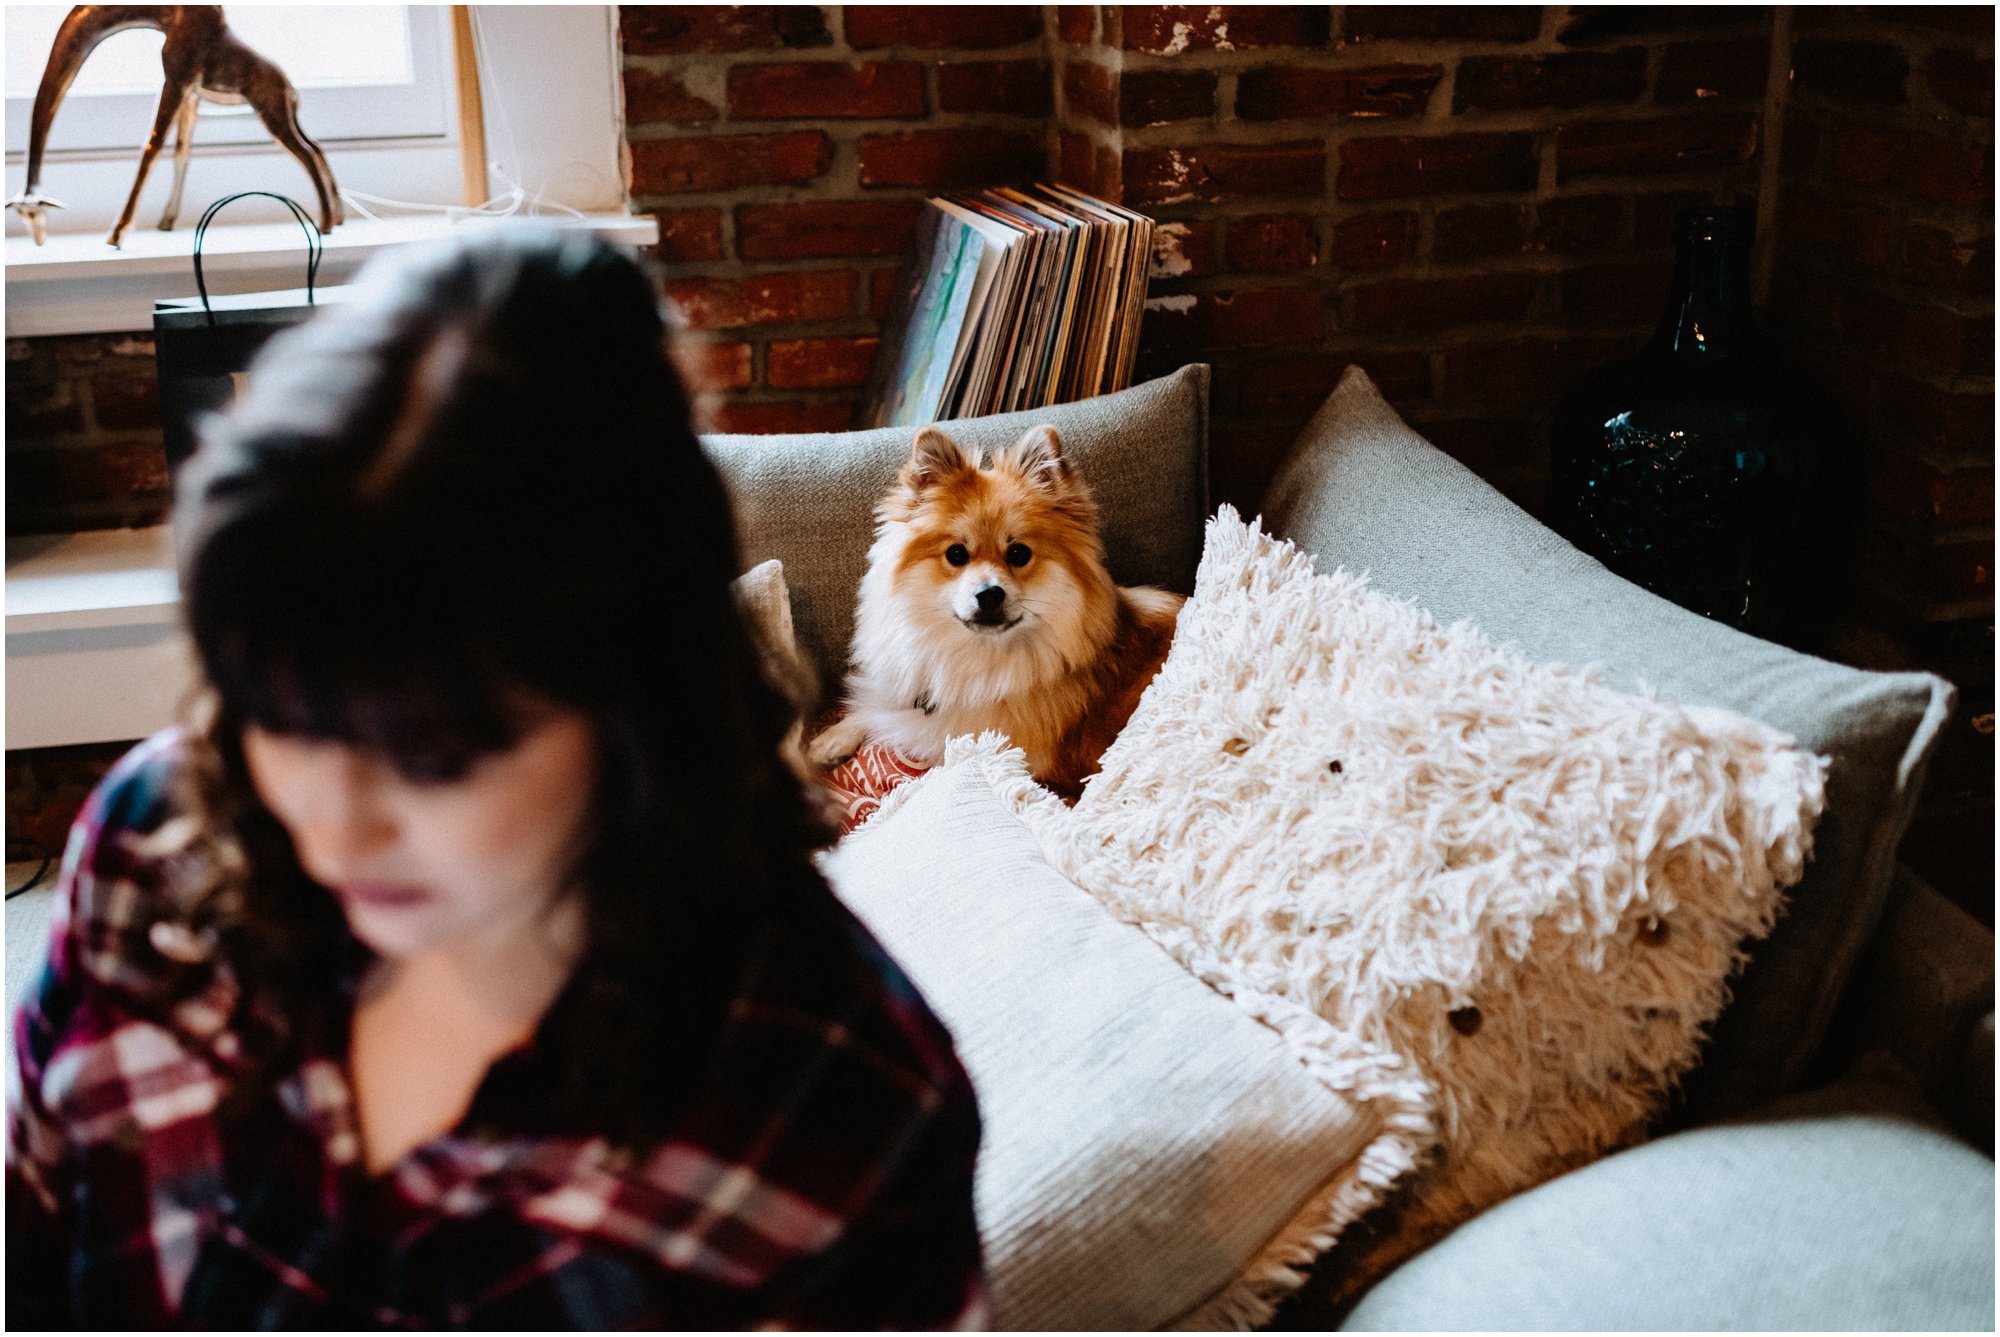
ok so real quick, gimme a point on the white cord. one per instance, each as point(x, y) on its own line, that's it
point(505, 205)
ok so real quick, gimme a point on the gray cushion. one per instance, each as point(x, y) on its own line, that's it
point(1821, 1220)
point(1361, 490)
point(809, 500)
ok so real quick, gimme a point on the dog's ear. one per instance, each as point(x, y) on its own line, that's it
point(1038, 458)
point(934, 457)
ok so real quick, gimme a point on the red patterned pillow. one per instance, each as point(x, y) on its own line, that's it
point(860, 783)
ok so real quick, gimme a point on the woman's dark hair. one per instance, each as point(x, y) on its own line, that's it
point(474, 482)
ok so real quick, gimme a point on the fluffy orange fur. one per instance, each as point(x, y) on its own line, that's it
point(987, 605)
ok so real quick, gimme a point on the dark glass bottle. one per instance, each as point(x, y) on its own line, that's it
point(1686, 468)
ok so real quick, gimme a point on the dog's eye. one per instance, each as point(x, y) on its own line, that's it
point(1018, 554)
point(957, 555)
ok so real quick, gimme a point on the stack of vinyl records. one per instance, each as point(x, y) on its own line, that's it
point(1012, 300)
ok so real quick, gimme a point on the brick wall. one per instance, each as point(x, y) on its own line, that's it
point(786, 151)
point(1472, 202)
point(84, 449)
point(1883, 286)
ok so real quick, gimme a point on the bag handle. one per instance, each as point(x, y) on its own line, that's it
point(315, 243)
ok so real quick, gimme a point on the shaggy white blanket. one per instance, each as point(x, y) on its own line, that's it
point(1498, 900)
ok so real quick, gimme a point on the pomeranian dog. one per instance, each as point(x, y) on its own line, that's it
point(987, 605)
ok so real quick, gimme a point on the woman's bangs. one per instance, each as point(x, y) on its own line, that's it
point(431, 720)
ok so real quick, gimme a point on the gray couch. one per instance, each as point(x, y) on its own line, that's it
point(1828, 1166)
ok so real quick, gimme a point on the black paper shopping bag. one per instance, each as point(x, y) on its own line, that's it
point(204, 344)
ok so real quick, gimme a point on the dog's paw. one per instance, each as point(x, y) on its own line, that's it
point(837, 743)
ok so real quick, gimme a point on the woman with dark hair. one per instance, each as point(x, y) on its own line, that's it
point(462, 962)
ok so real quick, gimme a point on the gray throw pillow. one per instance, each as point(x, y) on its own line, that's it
point(809, 500)
point(1361, 490)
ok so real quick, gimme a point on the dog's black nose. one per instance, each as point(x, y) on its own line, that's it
point(990, 597)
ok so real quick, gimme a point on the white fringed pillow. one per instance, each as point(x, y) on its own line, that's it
point(1501, 897)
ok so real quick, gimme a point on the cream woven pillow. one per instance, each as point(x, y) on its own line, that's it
point(1509, 892)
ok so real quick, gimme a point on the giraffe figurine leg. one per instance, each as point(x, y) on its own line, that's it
point(280, 117)
point(183, 143)
point(170, 105)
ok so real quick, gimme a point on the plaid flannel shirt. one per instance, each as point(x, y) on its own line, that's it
point(821, 1177)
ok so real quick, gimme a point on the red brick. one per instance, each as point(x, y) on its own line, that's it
point(1224, 172)
point(1076, 158)
point(1427, 306)
point(1530, 371)
point(950, 158)
point(1076, 23)
point(76, 476)
point(1262, 316)
point(1925, 575)
point(662, 97)
point(883, 285)
point(1852, 72)
point(1696, 71)
point(1803, 138)
point(790, 90)
point(1159, 97)
point(1974, 21)
point(1919, 336)
point(1442, 23)
point(825, 228)
point(1248, 318)
point(688, 235)
point(1654, 217)
point(1166, 30)
point(1374, 169)
point(765, 419)
point(819, 364)
point(1652, 147)
point(1961, 80)
point(126, 403)
point(708, 368)
point(652, 30)
point(1947, 171)
point(1579, 223)
point(1301, 384)
point(963, 26)
point(1090, 90)
point(1374, 241)
point(1273, 241)
point(728, 162)
point(1935, 498)
point(1478, 231)
point(1289, 93)
point(1244, 456)
point(1933, 257)
point(763, 299)
point(1589, 24)
point(1184, 249)
point(1566, 79)
point(1002, 87)
point(1961, 425)
point(1616, 294)
point(54, 409)
point(1856, 233)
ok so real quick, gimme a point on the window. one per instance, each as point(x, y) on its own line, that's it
point(376, 89)
point(362, 72)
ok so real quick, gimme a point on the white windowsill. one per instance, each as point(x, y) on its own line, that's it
point(77, 285)
point(95, 649)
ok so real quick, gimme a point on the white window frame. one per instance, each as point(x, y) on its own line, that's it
point(554, 120)
point(114, 125)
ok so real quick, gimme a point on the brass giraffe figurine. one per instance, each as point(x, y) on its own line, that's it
point(202, 59)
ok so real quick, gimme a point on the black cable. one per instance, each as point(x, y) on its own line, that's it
point(40, 873)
